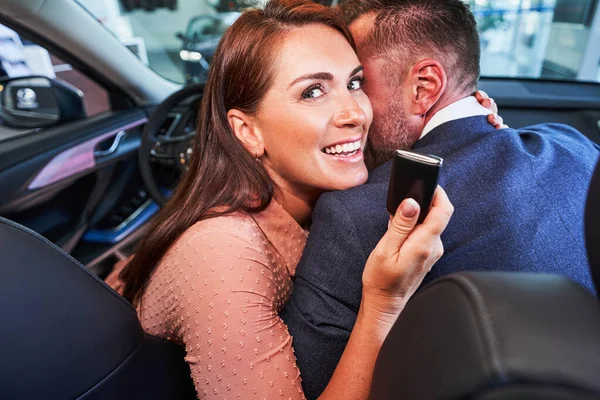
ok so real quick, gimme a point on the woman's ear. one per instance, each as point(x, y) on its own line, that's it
point(429, 82)
point(245, 129)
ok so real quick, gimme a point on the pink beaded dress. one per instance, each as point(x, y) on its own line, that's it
point(218, 292)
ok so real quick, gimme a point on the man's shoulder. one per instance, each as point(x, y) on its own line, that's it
point(550, 127)
point(357, 215)
point(559, 133)
point(465, 140)
point(562, 145)
point(353, 200)
point(476, 131)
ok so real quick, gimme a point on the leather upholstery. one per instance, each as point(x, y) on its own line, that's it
point(66, 335)
point(493, 336)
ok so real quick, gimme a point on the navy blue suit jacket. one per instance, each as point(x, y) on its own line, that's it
point(519, 199)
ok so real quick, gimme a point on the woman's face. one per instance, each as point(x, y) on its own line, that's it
point(315, 117)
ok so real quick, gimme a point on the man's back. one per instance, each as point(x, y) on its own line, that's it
point(519, 201)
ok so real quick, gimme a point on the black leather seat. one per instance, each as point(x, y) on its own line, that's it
point(477, 336)
point(492, 336)
point(65, 334)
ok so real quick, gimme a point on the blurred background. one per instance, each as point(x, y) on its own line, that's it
point(539, 39)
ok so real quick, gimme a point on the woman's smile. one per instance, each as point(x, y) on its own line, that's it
point(349, 151)
point(315, 117)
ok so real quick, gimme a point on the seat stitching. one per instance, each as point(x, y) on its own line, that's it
point(114, 371)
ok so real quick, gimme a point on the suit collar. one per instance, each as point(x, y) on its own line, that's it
point(463, 108)
point(443, 141)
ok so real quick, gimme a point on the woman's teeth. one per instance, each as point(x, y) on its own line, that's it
point(343, 148)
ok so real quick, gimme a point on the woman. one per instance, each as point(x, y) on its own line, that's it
point(283, 119)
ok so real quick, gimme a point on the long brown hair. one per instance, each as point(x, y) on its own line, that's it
point(223, 175)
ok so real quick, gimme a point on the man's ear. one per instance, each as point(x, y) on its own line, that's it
point(428, 83)
point(245, 129)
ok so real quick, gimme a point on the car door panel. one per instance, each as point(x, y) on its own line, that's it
point(18, 149)
point(53, 180)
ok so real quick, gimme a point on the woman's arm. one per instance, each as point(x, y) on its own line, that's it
point(222, 293)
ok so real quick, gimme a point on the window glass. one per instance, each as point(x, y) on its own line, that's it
point(555, 39)
point(21, 57)
point(542, 39)
point(177, 39)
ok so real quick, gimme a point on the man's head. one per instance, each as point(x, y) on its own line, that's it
point(419, 56)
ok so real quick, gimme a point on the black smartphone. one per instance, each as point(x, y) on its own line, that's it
point(414, 175)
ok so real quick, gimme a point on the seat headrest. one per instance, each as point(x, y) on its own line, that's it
point(487, 335)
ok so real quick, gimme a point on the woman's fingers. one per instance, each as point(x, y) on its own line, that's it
point(424, 245)
point(480, 95)
point(496, 121)
point(402, 238)
point(489, 103)
point(440, 213)
point(401, 225)
point(486, 101)
point(405, 254)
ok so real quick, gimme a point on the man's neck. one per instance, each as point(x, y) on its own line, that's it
point(444, 101)
point(465, 107)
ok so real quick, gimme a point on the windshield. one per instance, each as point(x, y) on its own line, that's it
point(540, 39)
point(205, 26)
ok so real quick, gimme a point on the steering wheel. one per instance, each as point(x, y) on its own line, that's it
point(168, 146)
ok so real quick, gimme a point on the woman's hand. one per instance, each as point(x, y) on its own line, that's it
point(403, 256)
point(393, 272)
point(489, 103)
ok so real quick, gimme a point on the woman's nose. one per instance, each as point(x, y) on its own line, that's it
point(350, 115)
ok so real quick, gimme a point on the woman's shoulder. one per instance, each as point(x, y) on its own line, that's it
point(233, 225)
point(217, 238)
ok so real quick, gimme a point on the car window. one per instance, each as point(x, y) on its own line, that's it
point(210, 26)
point(175, 39)
point(540, 39)
point(552, 39)
point(21, 57)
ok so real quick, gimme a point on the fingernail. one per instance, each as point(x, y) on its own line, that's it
point(409, 208)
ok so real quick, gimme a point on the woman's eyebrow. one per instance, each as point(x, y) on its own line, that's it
point(356, 70)
point(326, 76)
point(317, 75)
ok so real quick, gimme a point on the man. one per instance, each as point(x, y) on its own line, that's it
point(519, 196)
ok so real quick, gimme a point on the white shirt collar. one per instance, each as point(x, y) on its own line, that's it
point(463, 108)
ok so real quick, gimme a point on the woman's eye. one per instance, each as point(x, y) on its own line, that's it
point(313, 92)
point(356, 83)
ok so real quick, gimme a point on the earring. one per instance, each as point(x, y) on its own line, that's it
point(256, 157)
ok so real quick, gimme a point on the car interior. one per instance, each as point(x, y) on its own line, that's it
point(83, 175)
